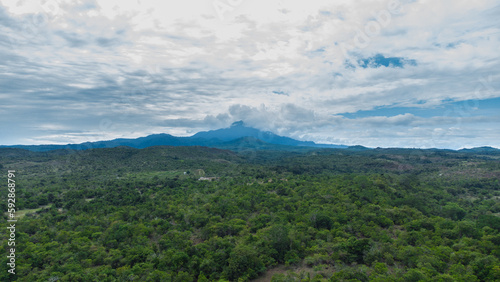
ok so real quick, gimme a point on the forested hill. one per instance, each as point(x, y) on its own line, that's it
point(235, 137)
point(202, 214)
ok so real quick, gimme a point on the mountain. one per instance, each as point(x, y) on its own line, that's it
point(237, 137)
point(139, 143)
point(482, 150)
point(239, 130)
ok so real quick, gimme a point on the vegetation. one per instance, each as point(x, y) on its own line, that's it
point(324, 215)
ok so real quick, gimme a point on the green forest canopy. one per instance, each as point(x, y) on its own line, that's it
point(325, 215)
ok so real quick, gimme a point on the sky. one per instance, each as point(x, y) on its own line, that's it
point(407, 73)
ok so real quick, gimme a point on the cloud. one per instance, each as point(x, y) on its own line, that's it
point(281, 93)
point(98, 70)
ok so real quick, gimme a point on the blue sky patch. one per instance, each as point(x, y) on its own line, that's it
point(379, 61)
point(467, 108)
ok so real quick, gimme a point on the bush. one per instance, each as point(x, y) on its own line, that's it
point(414, 275)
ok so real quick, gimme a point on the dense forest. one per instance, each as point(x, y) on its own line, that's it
point(205, 214)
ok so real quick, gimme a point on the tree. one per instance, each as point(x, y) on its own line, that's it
point(453, 211)
point(244, 262)
point(279, 241)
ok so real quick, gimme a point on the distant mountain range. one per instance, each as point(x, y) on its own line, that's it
point(237, 137)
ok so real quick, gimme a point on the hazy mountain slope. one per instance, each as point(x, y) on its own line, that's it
point(214, 138)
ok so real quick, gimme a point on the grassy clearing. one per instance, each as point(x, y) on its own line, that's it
point(22, 213)
point(157, 174)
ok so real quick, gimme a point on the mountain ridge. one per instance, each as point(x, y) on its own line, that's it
point(237, 137)
point(239, 129)
point(218, 138)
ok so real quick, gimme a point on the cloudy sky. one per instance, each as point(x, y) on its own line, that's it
point(377, 73)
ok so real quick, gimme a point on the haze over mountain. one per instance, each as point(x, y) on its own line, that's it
point(236, 137)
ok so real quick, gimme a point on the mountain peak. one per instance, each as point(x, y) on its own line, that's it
point(238, 123)
point(238, 132)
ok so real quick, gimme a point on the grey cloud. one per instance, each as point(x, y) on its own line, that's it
point(292, 112)
point(105, 42)
point(280, 93)
point(73, 39)
point(399, 120)
point(5, 19)
point(210, 121)
point(81, 6)
point(84, 79)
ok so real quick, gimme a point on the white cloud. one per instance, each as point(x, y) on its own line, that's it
point(139, 63)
